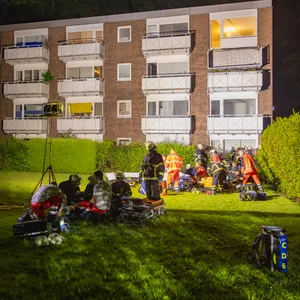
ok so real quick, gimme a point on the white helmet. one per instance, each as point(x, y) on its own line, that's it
point(41, 241)
point(56, 239)
point(200, 146)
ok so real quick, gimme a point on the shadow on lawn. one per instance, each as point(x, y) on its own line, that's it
point(232, 213)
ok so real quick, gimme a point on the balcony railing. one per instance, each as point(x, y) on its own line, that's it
point(235, 58)
point(31, 52)
point(26, 89)
point(235, 81)
point(81, 125)
point(80, 87)
point(25, 126)
point(237, 124)
point(167, 43)
point(83, 49)
point(166, 124)
point(167, 83)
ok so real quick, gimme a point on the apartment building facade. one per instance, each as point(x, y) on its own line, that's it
point(200, 74)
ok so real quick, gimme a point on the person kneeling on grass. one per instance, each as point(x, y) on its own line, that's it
point(120, 189)
point(218, 171)
point(102, 197)
point(47, 196)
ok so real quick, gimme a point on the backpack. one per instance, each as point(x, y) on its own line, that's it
point(248, 195)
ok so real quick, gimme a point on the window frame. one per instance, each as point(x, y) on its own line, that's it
point(118, 109)
point(118, 72)
point(130, 36)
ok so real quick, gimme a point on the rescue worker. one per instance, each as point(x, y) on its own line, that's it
point(102, 196)
point(249, 169)
point(120, 189)
point(201, 171)
point(173, 163)
point(218, 171)
point(46, 196)
point(201, 156)
point(249, 151)
point(233, 152)
point(152, 170)
point(71, 188)
point(88, 192)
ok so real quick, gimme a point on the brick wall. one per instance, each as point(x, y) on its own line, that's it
point(6, 74)
point(56, 67)
point(127, 90)
point(265, 33)
point(198, 64)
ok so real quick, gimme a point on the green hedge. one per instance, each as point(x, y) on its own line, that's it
point(80, 156)
point(13, 155)
point(68, 155)
point(279, 155)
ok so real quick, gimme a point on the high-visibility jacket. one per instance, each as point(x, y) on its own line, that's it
point(215, 167)
point(173, 163)
point(248, 164)
point(152, 167)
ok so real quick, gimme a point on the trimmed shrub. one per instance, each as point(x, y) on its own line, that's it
point(279, 153)
point(68, 155)
point(13, 154)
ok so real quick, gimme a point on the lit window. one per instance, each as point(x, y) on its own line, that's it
point(123, 141)
point(239, 27)
point(124, 109)
point(124, 34)
point(124, 72)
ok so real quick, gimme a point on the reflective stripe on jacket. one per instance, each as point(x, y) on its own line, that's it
point(173, 162)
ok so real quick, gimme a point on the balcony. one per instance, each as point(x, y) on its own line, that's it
point(80, 87)
point(166, 124)
point(167, 43)
point(84, 49)
point(26, 53)
point(25, 126)
point(235, 58)
point(81, 125)
point(26, 89)
point(237, 124)
point(235, 81)
point(167, 83)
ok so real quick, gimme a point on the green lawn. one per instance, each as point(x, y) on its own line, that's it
point(200, 250)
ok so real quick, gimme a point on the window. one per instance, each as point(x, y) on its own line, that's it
point(215, 107)
point(124, 72)
point(168, 108)
point(33, 110)
point(239, 107)
point(29, 75)
point(231, 28)
point(83, 72)
point(18, 111)
point(124, 34)
point(19, 75)
point(80, 37)
point(98, 72)
point(98, 109)
point(174, 68)
point(173, 28)
point(124, 109)
point(123, 141)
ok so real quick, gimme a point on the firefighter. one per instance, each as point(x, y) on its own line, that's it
point(201, 156)
point(120, 189)
point(249, 169)
point(218, 171)
point(201, 171)
point(152, 170)
point(173, 163)
point(46, 196)
point(88, 192)
point(71, 188)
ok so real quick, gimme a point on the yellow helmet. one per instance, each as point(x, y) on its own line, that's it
point(120, 175)
point(150, 145)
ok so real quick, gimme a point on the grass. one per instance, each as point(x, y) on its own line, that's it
point(200, 250)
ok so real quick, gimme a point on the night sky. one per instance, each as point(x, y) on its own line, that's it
point(286, 59)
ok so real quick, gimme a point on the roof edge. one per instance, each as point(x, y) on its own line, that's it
point(196, 10)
